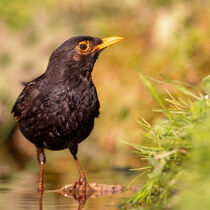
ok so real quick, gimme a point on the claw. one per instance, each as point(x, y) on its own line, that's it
point(82, 186)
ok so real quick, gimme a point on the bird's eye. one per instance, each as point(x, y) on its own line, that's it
point(84, 46)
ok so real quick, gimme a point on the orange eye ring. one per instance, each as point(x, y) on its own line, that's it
point(84, 46)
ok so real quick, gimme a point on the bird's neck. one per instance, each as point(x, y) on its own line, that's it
point(65, 74)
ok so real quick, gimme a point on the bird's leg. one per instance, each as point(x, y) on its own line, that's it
point(41, 158)
point(82, 179)
point(81, 184)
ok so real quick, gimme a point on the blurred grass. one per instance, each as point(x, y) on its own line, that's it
point(195, 183)
point(177, 151)
point(165, 37)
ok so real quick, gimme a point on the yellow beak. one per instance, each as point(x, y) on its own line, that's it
point(106, 42)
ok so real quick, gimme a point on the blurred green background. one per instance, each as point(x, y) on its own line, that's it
point(166, 38)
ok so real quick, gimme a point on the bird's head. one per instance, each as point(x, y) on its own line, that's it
point(78, 54)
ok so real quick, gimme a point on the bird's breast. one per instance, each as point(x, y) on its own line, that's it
point(84, 99)
point(74, 107)
point(61, 114)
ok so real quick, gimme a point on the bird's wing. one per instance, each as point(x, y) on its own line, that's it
point(25, 100)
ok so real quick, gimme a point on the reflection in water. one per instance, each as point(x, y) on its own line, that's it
point(97, 190)
point(81, 196)
point(40, 199)
point(19, 192)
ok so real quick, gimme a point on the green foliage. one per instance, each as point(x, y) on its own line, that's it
point(179, 147)
point(152, 91)
point(5, 60)
point(206, 84)
point(195, 193)
point(162, 3)
point(16, 13)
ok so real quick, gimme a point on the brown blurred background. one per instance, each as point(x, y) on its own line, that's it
point(166, 38)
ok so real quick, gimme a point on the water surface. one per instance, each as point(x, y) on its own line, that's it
point(19, 192)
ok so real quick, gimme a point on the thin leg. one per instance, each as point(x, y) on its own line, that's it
point(41, 176)
point(41, 158)
point(81, 173)
point(81, 184)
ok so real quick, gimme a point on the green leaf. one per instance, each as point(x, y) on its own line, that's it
point(206, 84)
point(153, 92)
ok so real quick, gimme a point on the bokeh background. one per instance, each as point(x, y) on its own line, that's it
point(165, 38)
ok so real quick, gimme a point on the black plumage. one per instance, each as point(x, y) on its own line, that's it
point(57, 109)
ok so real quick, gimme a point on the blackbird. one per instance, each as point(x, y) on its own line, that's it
point(57, 109)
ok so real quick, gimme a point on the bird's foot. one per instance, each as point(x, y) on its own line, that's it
point(82, 186)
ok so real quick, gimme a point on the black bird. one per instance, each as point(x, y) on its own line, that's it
point(57, 109)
